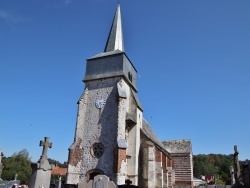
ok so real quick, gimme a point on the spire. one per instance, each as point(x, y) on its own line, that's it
point(115, 38)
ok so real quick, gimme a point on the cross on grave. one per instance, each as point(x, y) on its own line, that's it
point(236, 165)
point(46, 144)
point(128, 182)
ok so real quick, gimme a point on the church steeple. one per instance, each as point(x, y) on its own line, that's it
point(115, 38)
point(113, 62)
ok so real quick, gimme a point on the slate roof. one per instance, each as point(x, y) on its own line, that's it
point(178, 146)
point(137, 100)
point(149, 133)
point(57, 170)
point(115, 38)
point(103, 54)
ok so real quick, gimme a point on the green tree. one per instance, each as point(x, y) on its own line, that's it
point(18, 163)
point(213, 164)
point(57, 163)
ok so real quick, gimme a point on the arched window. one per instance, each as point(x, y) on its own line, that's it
point(94, 172)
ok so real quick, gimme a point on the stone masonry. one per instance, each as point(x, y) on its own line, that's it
point(111, 136)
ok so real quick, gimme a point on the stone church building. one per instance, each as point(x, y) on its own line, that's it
point(111, 135)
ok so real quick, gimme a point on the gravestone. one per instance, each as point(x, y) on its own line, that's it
point(237, 173)
point(59, 182)
point(41, 171)
point(100, 181)
point(128, 185)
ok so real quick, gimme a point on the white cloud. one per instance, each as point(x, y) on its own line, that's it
point(67, 2)
point(12, 18)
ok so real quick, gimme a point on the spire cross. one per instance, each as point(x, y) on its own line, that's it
point(46, 144)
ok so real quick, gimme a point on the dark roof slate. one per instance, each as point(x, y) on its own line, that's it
point(137, 100)
point(178, 146)
point(147, 130)
point(103, 54)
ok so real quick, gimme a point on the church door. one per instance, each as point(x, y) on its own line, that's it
point(93, 173)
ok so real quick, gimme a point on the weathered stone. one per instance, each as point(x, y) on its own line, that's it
point(41, 171)
point(111, 135)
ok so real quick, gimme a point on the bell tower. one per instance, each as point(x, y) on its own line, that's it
point(109, 117)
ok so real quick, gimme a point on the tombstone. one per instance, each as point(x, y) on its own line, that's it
point(41, 171)
point(59, 181)
point(127, 184)
point(100, 181)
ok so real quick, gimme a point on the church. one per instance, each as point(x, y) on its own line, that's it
point(112, 137)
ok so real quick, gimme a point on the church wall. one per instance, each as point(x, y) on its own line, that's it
point(151, 167)
point(147, 165)
point(164, 169)
point(133, 152)
point(129, 132)
point(183, 169)
point(170, 172)
point(158, 168)
point(76, 149)
point(90, 130)
point(120, 165)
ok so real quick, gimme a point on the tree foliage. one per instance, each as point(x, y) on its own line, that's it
point(18, 163)
point(57, 163)
point(213, 164)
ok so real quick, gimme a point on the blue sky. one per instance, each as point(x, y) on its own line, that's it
point(192, 58)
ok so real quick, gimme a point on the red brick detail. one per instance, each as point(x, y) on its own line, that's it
point(57, 170)
point(119, 156)
point(169, 162)
point(164, 163)
point(183, 183)
point(157, 155)
point(75, 153)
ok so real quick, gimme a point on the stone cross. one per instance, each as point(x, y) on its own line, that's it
point(46, 144)
point(236, 164)
point(237, 172)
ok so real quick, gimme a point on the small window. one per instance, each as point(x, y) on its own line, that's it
point(97, 150)
point(130, 76)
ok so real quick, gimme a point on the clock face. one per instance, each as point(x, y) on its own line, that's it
point(99, 103)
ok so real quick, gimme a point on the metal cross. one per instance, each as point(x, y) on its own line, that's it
point(128, 182)
point(45, 145)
